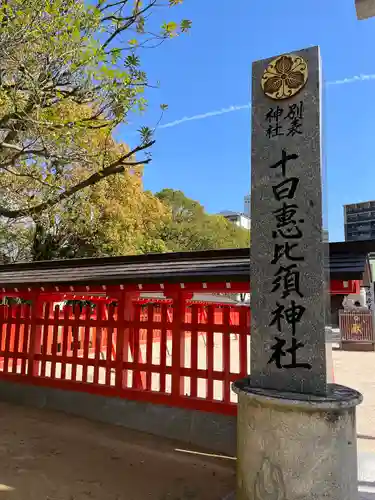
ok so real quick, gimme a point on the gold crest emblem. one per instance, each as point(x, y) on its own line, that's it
point(285, 77)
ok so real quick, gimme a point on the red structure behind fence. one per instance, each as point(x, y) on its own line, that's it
point(174, 354)
point(356, 326)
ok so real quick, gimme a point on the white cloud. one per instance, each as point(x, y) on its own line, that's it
point(231, 109)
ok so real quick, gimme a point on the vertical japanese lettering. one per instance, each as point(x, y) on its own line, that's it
point(288, 228)
point(284, 121)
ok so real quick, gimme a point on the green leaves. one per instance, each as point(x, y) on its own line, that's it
point(185, 25)
point(76, 33)
point(72, 73)
point(191, 228)
point(170, 29)
point(146, 134)
point(115, 55)
point(132, 60)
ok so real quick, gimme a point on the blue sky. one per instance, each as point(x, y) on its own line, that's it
point(209, 70)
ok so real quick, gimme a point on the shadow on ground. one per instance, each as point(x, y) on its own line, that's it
point(364, 436)
point(366, 490)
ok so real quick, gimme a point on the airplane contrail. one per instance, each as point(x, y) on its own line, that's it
point(353, 79)
point(218, 112)
point(231, 109)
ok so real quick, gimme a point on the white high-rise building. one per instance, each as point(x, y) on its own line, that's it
point(241, 220)
point(247, 205)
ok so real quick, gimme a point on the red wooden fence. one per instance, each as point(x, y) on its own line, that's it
point(185, 357)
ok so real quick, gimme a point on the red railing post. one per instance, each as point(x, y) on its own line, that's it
point(139, 377)
point(35, 335)
point(178, 341)
point(126, 310)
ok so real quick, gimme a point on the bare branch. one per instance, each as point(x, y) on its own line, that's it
point(110, 5)
point(131, 21)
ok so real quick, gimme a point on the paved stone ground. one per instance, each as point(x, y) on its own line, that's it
point(357, 370)
point(49, 456)
point(46, 455)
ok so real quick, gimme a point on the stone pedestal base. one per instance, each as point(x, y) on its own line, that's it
point(295, 446)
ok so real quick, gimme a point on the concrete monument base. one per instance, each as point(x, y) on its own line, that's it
point(296, 446)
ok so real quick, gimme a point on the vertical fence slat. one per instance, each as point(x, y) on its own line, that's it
point(35, 336)
point(178, 345)
point(75, 340)
point(226, 354)
point(16, 339)
point(44, 336)
point(86, 343)
point(65, 340)
point(70, 332)
point(3, 325)
point(22, 348)
point(26, 339)
point(243, 336)
point(135, 348)
point(149, 346)
point(194, 351)
point(120, 340)
point(55, 340)
point(163, 347)
point(98, 339)
point(210, 353)
point(8, 335)
point(109, 336)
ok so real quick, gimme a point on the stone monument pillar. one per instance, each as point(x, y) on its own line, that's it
point(296, 431)
point(365, 9)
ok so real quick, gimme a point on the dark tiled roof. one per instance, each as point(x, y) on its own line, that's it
point(348, 266)
point(347, 261)
point(220, 265)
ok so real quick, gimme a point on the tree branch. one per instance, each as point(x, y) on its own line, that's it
point(30, 176)
point(108, 6)
point(42, 153)
point(71, 124)
point(114, 168)
point(131, 20)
